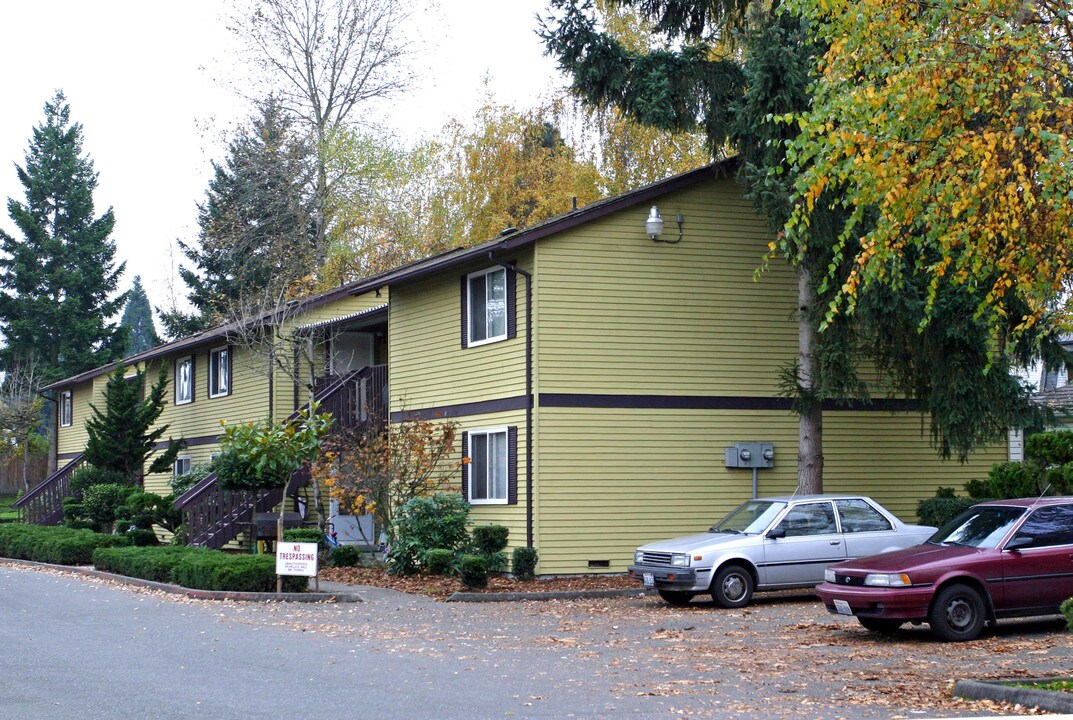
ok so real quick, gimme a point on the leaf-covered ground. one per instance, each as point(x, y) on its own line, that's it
point(442, 586)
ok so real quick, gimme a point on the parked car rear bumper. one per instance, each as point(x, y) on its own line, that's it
point(910, 603)
point(670, 578)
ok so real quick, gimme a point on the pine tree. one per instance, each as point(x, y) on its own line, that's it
point(57, 279)
point(120, 438)
point(138, 319)
point(256, 226)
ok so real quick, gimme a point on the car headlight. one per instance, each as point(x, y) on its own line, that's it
point(884, 580)
point(638, 557)
point(829, 575)
point(679, 560)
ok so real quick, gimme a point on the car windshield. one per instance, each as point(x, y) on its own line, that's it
point(982, 526)
point(750, 517)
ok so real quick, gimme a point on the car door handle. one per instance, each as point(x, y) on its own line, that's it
point(835, 542)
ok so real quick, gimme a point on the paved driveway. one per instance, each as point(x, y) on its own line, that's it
point(80, 648)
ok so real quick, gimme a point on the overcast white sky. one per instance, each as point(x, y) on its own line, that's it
point(147, 80)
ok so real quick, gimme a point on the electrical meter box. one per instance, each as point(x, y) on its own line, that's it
point(750, 455)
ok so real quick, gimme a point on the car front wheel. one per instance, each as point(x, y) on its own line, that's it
point(732, 586)
point(883, 626)
point(957, 613)
point(676, 597)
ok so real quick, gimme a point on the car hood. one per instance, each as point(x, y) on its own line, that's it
point(911, 557)
point(692, 543)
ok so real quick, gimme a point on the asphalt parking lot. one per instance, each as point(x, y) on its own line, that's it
point(398, 655)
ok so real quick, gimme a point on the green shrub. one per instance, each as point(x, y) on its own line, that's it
point(147, 563)
point(100, 506)
point(1014, 480)
point(523, 563)
point(307, 535)
point(56, 545)
point(345, 556)
point(86, 475)
point(490, 539)
point(978, 489)
point(1051, 448)
point(1067, 610)
point(424, 523)
point(438, 561)
point(235, 573)
point(939, 511)
point(473, 570)
point(181, 483)
point(142, 537)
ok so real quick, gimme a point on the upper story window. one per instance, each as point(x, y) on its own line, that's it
point(183, 465)
point(487, 306)
point(220, 372)
point(184, 380)
point(66, 408)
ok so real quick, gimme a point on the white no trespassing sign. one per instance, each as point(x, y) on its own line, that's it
point(296, 559)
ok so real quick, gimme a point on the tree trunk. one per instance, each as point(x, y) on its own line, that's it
point(810, 421)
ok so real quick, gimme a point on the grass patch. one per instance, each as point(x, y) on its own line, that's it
point(1055, 685)
point(6, 511)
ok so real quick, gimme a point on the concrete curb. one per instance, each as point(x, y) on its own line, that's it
point(551, 595)
point(1005, 691)
point(308, 597)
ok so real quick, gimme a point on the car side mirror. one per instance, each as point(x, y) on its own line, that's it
point(777, 532)
point(1019, 542)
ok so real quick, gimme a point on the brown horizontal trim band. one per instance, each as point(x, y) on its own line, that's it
point(191, 442)
point(68, 456)
point(705, 402)
point(517, 402)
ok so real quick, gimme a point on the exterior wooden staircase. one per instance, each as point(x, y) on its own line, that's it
point(214, 517)
point(43, 505)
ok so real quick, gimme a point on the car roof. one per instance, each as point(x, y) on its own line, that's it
point(799, 498)
point(1032, 501)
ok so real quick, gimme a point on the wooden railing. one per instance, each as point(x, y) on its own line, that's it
point(44, 504)
point(214, 517)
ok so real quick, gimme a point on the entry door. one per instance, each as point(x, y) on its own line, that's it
point(812, 542)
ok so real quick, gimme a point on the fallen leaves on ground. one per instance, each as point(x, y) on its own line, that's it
point(443, 586)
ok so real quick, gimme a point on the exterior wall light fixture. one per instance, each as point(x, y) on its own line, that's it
point(654, 227)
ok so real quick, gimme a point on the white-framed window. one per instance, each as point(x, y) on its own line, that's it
point(183, 465)
point(66, 408)
point(486, 306)
point(487, 452)
point(184, 380)
point(219, 372)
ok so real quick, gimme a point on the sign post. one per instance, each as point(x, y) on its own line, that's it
point(297, 559)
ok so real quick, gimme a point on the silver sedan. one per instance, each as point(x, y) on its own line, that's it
point(775, 543)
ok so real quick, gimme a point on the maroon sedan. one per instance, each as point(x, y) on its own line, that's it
point(1008, 558)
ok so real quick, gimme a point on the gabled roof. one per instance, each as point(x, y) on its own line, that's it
point(447, 259)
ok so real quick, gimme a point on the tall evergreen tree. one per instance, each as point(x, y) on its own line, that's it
point(738, 99)
point(138, 319)
point(57, 282)
point(119, 437)
point(256, 224)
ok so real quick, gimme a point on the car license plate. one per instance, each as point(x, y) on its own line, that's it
point(842, 607)
point(649, 580)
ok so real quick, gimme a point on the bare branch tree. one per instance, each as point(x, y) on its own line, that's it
point(20, 410)
point(325, 59)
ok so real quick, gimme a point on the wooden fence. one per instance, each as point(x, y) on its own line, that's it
point(11, 473)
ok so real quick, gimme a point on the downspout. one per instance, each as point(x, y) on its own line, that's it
point(528, 394)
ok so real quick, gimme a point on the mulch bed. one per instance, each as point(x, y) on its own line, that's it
point(442, 586)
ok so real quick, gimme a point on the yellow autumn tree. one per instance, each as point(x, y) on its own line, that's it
point(944, 129)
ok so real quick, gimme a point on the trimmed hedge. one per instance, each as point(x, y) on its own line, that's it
point(236, 573)
point(939, 511)
point(54, 544)
point(147, 563)
point(1066, 609)
point(524, 562)
point(345, 556)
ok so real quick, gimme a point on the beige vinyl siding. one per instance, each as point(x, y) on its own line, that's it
point(429, 366)
point(611, 480)
point(620, 313)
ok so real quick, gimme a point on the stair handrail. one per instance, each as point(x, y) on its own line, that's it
point(45, 484)
point(209, 481)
